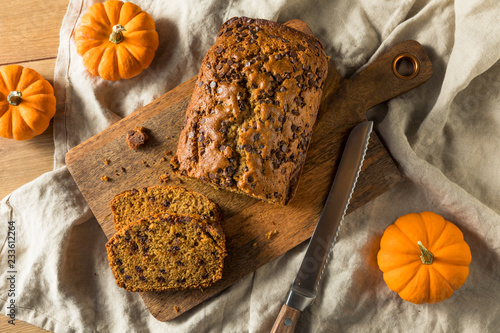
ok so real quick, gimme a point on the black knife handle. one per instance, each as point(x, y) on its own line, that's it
point(287, 320)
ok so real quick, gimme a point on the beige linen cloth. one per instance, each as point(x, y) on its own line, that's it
point(444, 135)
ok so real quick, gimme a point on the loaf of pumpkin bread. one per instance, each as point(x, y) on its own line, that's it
point(167, 252)
point(254, 105)
point(133, 204)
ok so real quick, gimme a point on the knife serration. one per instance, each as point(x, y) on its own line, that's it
point(304, 288)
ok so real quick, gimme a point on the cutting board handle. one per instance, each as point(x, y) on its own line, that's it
point(381, 80)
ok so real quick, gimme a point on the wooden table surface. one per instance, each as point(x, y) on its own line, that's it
point(29, 30)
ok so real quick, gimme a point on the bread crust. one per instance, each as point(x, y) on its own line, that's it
point(249, 122)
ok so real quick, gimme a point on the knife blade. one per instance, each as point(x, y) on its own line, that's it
point(304, 288)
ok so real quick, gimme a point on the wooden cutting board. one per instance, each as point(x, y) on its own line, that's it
point(247, 222)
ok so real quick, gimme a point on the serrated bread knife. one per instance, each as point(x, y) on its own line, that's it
point(304, 289)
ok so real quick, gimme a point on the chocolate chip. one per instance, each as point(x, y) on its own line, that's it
point(238, 39)
point(256, 137)
point(284, 148)
point(301, 48)
point(152, 198)
point(218, 67)
point(219, 50)
point(160, 279)
point(183, 280)
point(134, 247)
point(118, 262)
point(138, 269)
point(127, 277)
point(282, 118)
point(245, 168)
point(213, 84)
point(200, 84)
point(143, 278)
point(179, 263)
point(222, 147)
point(283, 171)
point(293, 54)
point(204, 276)
point(240, 49)
point(229, 33)
point(223, 129)
point(250, 179)
point(285, 107)
point(162, 271)
point(191, 135)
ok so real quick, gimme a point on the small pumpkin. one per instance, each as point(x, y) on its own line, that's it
point(27, 103)
point(116, 40)
point(424, 258)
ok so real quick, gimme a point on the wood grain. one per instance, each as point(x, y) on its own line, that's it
point(287, 320)
point(247, 221)
point(30, 30)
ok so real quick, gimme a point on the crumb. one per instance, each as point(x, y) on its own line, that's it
point(136, 137)
point(145, 164)
point(123, 170)
point(106, 161)
point(254, 244)
point(174, 163)
point(271, 234)
point(168, 153)
point(164, 159)
point(167, 137)
point(176, 309)
point(105, 178)
point(180, 181)
point(164, 178)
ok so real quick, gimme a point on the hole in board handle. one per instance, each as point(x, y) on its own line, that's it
point(405, 66)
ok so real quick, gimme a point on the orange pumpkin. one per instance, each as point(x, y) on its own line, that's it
point(27, 103)
point(116, 40)
point(424, 258)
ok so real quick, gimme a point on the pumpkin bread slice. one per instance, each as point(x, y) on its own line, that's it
point(134, 204)
point(167, 252)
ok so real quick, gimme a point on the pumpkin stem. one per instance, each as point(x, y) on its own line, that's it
point(14, 97)
point(426, 256)
point(117, 36)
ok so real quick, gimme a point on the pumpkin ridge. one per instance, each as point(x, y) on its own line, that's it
point(401, 266)
point(112, 10)
point(4, 105)
point(10, 81)
point(407, 237)
point(145, 22)
point(20, 118)
point(128, 54)
point(436, 270)
point(94, 16)
point(410, 284)
point(34, 106)
point(24, 88)
point(427, 218)
point(133, 41)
